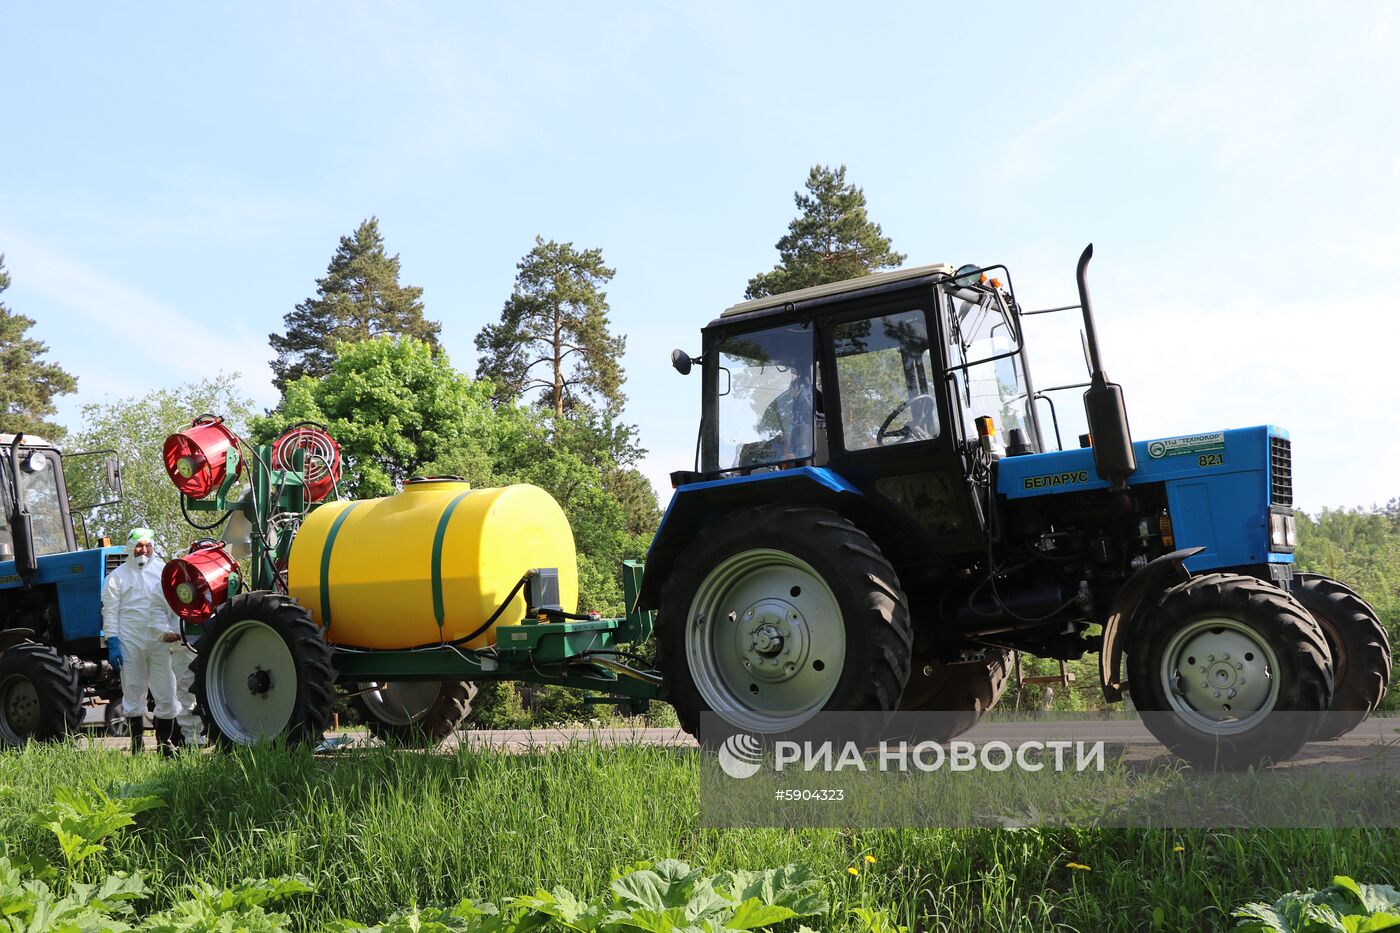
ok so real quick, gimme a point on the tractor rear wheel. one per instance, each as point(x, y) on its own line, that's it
point(264, 672)
point(1360, 650)
point(1230, 672)
point(414, 712)
point(40, 698)
point(960, 694)
point(774, 614)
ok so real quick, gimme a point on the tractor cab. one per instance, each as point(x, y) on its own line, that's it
point(883, 381)
point(40, 466)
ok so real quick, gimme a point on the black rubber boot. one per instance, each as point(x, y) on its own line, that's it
point(165, 741)
point(137, 725)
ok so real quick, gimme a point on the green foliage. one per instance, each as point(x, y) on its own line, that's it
point(1342, 907)
point(136, 427)
point(553, 334)
point(27, 384)
point(669, 897)
point(81, 821)
point(360, 298)
point(831, 240)
point(394, 406)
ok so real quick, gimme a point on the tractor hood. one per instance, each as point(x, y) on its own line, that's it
point(1221, 487)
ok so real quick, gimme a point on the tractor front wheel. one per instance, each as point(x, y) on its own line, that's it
point(40, 698)
point(774, 614)
point(1360, 650)
point(418, 712)
point(263, 671)
point(1230, 672)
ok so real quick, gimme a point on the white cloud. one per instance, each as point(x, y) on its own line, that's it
point(125, 338)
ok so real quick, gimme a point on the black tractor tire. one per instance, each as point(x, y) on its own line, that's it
point(1270, 618)
point(874, 610)
point(40, 699)
point(1361, 655)
point(299, 675)
point(960, 694)
point(448, 712)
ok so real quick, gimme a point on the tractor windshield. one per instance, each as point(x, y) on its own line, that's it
point(984, 349)
point(41, 497)
point(765, 389)
point(883, 372)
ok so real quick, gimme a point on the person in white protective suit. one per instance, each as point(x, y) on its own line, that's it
point(140, 629)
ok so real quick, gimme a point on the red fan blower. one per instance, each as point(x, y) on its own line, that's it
point(196, 584)
point(322, 460)
point(195, 457)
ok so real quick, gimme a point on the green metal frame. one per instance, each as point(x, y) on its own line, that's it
point(542, 650)
point(290, 486)
point(565, 653)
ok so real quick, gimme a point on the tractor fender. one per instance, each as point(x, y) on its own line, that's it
point(1136, 596)
point(696, 506)
point(15, 636)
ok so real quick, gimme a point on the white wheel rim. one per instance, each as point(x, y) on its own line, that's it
point(1220, 676)
point(251, 682)
point(402, 702)
point(765, 640)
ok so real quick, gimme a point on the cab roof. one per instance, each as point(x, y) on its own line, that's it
point(30, 440)
point(831, 289)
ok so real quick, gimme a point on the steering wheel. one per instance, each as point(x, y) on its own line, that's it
point(884, 431)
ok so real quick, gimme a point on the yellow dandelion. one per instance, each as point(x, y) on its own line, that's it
point(1178, 848)
point(1077, 867)
point(870, 860)
point(853, 871)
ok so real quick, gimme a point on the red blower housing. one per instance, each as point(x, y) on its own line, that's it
point(197, 584)
point(322, 460)
point(196, 456)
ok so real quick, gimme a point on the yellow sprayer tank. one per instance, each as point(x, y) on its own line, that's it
point(430, 564)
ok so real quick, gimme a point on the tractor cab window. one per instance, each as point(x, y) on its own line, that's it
point(766, 408)
point(983, 351)
point(41, 498)
point(884, 371)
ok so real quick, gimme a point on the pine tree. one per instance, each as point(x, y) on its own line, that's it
point(553, 334)
point(359, 298)
point(27, 384)
point(832, 240)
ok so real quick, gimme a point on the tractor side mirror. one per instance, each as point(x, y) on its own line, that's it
point(114, 476)
point(22, 534)
point(681, 362)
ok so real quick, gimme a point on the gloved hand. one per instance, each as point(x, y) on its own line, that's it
point(114, 652)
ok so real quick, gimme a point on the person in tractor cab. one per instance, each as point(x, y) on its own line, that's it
point(140, 630)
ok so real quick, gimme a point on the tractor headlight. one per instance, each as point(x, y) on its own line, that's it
point(1283, 531)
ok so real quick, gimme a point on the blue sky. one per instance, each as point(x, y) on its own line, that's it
point(174, 177)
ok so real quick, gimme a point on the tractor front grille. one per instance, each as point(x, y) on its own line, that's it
point(1280, 471)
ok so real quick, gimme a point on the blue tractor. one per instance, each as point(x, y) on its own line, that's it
point(53, 658)
point(856, 536)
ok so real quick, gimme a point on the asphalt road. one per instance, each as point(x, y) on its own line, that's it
point(1375, 743)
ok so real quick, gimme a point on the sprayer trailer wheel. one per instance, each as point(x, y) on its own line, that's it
point(1230, 672)
point(264, 672)
point(413, 712)
point(1361, 657)
point(40, 698)
point(774, 614)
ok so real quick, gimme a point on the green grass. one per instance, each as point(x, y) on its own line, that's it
point(380, 829)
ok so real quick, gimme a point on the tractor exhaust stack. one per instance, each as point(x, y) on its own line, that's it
point(1103, 401)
